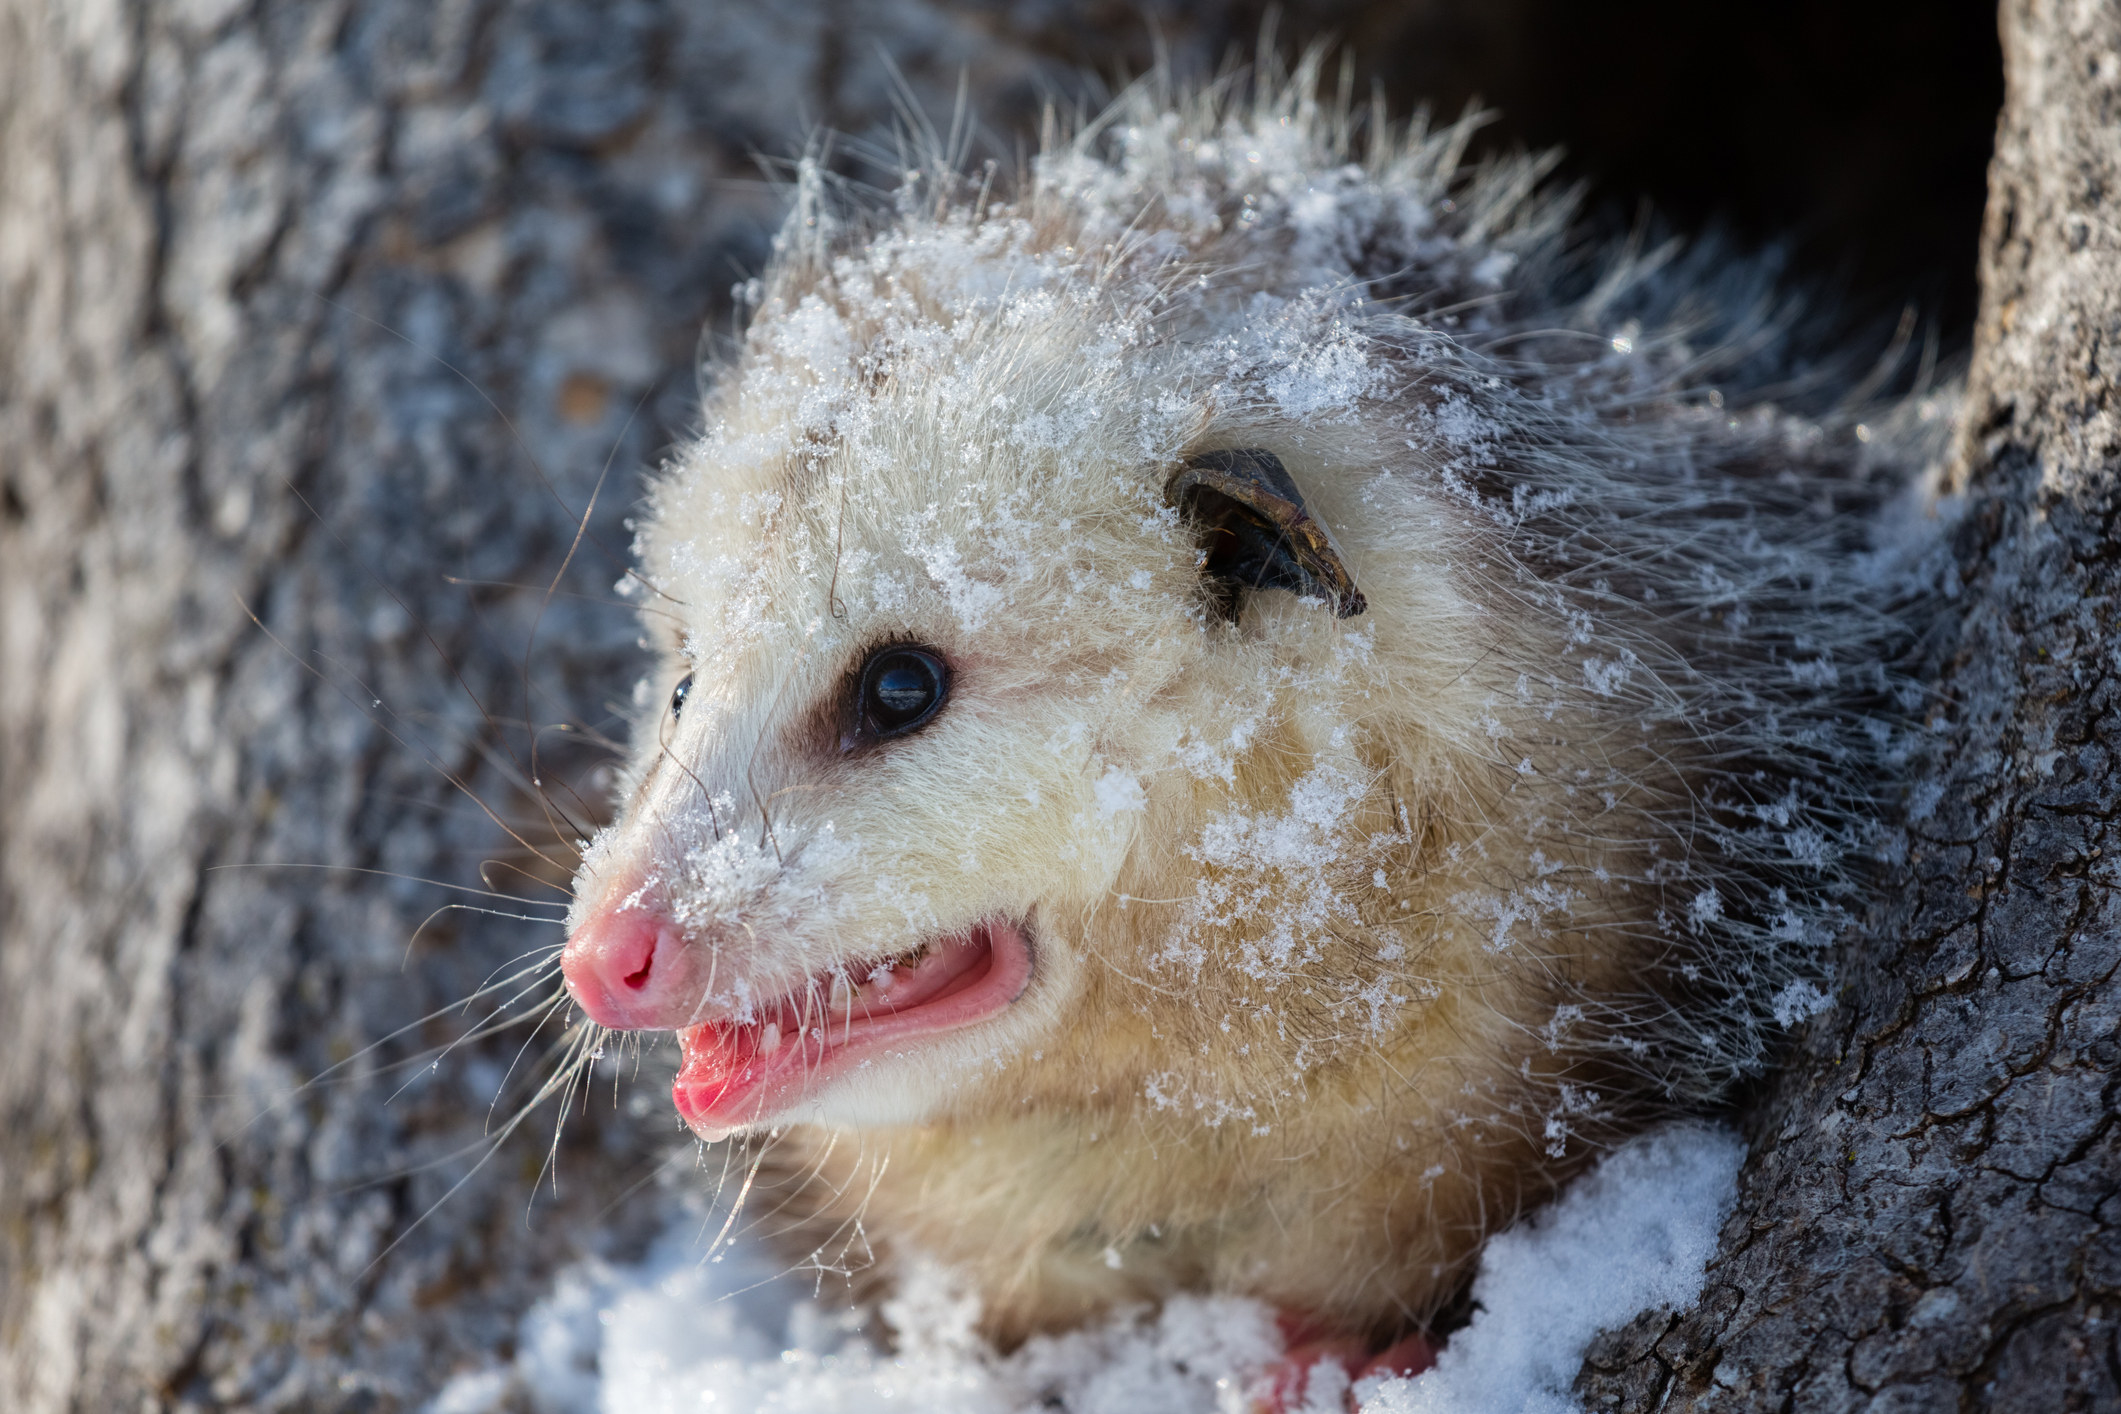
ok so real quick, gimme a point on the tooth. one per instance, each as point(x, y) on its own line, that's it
point(770, 1038)
point(883, 979)
point(841, 992)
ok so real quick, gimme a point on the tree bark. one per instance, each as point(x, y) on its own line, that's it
point(1931, 1217)
point(269, 273)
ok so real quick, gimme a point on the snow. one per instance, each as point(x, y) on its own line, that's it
point(1633, 1234)
point(736, 1332)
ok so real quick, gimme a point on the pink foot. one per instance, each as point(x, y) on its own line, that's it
point(1317, 1373)
point(1407, 1357)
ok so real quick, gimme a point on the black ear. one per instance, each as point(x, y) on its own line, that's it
point(1256, 532)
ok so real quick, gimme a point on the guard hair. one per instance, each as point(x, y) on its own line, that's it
point(1512, 795)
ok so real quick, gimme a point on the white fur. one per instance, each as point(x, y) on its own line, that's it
point(1351, 935)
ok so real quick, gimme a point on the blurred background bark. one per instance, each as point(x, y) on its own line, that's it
point(320, 319)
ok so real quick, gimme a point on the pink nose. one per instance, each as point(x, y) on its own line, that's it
point(631, 969)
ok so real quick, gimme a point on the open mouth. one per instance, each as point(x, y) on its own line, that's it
point(736, 1074)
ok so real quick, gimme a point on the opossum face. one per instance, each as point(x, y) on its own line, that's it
point(971, 638)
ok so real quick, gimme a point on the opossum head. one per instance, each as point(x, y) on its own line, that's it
point(1024, 656)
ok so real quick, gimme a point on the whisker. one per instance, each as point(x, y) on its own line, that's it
point(432, 760)
point(392, 874)
point(574, 547)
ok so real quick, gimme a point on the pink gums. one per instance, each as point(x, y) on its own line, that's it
point(741, 1073)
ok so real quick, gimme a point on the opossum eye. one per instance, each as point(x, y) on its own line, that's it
point(901, 689)
point(1255, 532)
point(678, 695)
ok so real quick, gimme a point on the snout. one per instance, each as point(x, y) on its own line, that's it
point(630, 968)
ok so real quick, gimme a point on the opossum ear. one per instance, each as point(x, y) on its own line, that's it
point(1255, 531)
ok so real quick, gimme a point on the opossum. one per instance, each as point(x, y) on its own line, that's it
point(1234, 708)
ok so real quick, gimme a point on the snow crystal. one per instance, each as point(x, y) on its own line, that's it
point(1531, 904)
point(1276, 875)
point(1330, 375)
point(1458, 421)
point(1800, 1001)
point(1604, 678)
point(1119, 793)
point(676, 1333)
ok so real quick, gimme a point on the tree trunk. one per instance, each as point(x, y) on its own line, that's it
point(262, 268)
point(1931, 1218)
point(273, 613)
